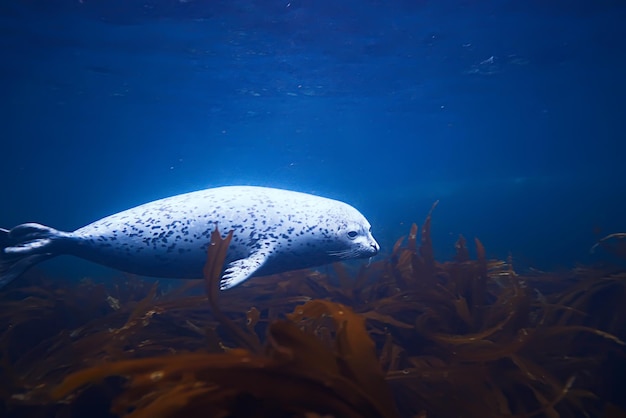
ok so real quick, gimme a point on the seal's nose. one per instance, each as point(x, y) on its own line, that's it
point(375, 246)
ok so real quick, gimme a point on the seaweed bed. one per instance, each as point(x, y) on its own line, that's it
point(405, 337)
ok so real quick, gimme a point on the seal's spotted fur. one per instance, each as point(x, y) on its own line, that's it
point(274, 231)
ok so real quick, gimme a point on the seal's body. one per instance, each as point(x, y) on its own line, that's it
point(274, 231)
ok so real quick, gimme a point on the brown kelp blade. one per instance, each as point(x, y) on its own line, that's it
point(299, 374)
point(614, 244)
point(354, 347)
point(216, 254)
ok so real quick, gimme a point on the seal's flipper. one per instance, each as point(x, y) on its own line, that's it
point(12, 269)
point(4, 237)
point(241, 270)
point(24, 246)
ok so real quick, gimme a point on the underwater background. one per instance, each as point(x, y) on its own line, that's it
point(497, 120)
point(510, 113)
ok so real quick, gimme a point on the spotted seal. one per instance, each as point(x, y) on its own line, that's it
point(274, 230)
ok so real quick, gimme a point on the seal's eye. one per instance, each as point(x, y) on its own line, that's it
point(352, 234)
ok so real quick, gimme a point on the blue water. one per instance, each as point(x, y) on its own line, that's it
point(511, 113)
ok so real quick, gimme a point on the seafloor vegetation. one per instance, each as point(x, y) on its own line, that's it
point(406, 337)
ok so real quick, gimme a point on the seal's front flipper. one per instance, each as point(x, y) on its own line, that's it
point(24, 246)
point(241, 270)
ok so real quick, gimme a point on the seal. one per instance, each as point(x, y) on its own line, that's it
point(274, 231)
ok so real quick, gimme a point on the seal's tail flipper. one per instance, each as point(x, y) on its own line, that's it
point(24, 246)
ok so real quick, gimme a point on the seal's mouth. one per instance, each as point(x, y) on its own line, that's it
point(356, 252)
point(369, 251)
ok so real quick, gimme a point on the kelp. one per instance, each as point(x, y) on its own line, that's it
point(406, 336)
point(297, 375)
point(613, 243)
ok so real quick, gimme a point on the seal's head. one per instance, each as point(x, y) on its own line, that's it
point(353, 234)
